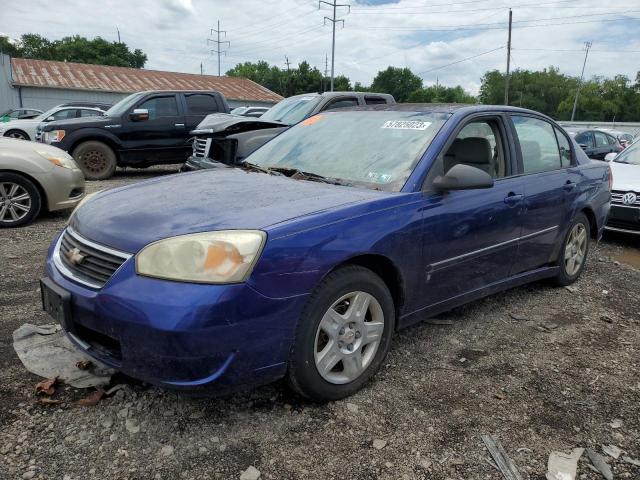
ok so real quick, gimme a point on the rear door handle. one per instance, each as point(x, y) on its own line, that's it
point(513, 198)
point(569, 185)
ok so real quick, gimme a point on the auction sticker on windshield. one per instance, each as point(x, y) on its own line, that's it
point(406, 125)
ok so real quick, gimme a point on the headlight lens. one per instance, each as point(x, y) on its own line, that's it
point(54, 136)
point(60, 159)
point(212, 257)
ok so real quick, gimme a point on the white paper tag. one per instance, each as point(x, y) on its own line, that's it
point(406, 125)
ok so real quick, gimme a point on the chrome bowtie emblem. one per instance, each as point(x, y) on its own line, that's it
point(629, 198)
point(74, 256)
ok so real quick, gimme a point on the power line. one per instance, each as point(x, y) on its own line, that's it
point(461, 60)
point(219, 42)
point(422, 12)
point(333, 21)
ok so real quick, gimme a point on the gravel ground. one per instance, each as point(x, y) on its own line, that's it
point(540, 368)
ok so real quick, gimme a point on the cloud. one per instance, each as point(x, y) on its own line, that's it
point(424, 36)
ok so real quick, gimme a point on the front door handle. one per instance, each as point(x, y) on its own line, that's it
point(179, 124)
point(513, 198)
point(569, 185)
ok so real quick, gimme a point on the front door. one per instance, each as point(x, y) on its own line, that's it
point(162, 137)
point(471, 236)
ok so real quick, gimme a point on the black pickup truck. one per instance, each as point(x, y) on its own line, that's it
point(143, 129)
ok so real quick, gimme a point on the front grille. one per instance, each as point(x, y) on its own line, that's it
point(201, 147)
point(87, 262)
point(616, 198)
point(623, 224)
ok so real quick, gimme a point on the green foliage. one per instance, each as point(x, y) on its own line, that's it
point(441, 94)
point(74, 49)
point(399, 82)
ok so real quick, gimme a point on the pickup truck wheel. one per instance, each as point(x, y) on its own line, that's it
point(343, 335)
point(19, 134)
point(20, 200)
point(573, 255)
point(97, 160)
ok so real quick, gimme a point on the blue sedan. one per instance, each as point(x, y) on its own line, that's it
point(302, 261)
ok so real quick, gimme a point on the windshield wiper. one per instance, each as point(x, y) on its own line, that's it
point(297, 174)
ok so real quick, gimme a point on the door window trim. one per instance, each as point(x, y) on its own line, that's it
point(506, 140)
point(151, 97)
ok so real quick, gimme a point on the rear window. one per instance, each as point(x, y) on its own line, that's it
point(374, 101)
point(201, 104)
point(292, 110)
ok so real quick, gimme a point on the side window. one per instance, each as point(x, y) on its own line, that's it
point(160, 107)
point(611, 140)
point(479, 144)
point(64, 114)
point(342, 103)
point(201, 104)
point(89, 113)
point(538, 144)
point(565, 148)
point(601, 139)
point(375, 101)
point(585, 138)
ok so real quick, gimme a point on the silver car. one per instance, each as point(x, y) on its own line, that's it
point(35, 177)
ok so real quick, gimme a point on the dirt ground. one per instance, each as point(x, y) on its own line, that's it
point(541, 368)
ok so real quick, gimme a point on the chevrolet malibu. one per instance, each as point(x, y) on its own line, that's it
point(302, 261)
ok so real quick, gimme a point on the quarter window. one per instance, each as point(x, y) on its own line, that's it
point(585, 138)
point(160, 107)
point(200, 104)
point(538, 144)
point(375, 101)
point(565, 148)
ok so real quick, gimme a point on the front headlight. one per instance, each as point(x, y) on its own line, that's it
point(54, 136)
point(213, 257)
point(60, 159)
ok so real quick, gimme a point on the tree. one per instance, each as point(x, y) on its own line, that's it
point(441, 94)
point(75, 49)
point(399, 82)
point(341, 83)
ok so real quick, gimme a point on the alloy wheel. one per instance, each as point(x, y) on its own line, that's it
point(348, 337)
point(15, 202)
point(575, 249)
point(18, 135)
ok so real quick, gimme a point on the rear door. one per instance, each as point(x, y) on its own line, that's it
point(602, 146)
point(198, 106)
point(550, 180)
point(162, 137)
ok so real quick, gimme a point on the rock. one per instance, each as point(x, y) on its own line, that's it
point(166, 451)
point(606, 318)
point(571, 289)
point(131, 425)
point(561, 466)
point(462, 359)
point(517, 316)
point(426, 464)
point(612, 451)
point(631, 461)
point(251, 473)
point(29, 474)
point(123, 413)
point(352, 407)
point(107, 423)
point(616, 423)
point(379, 444)
point(601, 466)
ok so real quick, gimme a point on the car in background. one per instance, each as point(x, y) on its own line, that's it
point(143, 129)
point(595, 143)
point(624, 138)
point(255, 112)
point(19, 114)
point(100, 105)
point(625, 195)
point(35, 178)
point(303, 260)
point(229, 139)
point(28, 129)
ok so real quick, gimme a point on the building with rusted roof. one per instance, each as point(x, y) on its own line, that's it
point(44, 84)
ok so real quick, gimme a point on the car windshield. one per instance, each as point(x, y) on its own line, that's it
point(377, 150)
point(292, 110)
point(630, 155)
point(238, 111)
point(123, 105)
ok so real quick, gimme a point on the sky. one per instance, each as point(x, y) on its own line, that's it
point(454, 42)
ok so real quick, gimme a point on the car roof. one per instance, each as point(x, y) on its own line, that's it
point(336, 94)
point(463, 108)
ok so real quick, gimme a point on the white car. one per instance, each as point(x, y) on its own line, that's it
point(26, 129)
point(625, 193)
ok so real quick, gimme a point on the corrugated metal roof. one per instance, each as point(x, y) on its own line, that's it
point(82, 76)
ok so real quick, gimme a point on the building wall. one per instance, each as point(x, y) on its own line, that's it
point(8, 94)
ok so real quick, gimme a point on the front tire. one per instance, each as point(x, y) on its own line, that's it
point(575, 248)
point(343, 335)
point(97, 160)
point(17, 134)
point(20, 200)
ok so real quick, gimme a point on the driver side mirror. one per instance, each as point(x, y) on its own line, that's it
point(463, 177)
point(139, 114)
point(49, 119)
point(610, 156)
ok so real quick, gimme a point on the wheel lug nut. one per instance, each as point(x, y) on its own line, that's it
point(342, 331)
point(350, 347)
point(351, 325)
point(358, 334)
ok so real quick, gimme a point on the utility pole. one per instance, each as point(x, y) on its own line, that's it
point(437, 88)
point(507, 78)
point(218, 42)
point(288, 75)
point(333, 21)
point(118, 30)
point(201, 70)
point(575, 102)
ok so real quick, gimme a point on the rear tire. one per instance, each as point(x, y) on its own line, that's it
point(20, 200)
point(97, 160)
point(17, 134)
point(343, 335)
point(575, 248)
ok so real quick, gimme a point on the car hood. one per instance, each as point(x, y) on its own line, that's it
point(21, 124)
point(625, 176)
point(227, 123)
point(80, 122)
point(131, 217)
